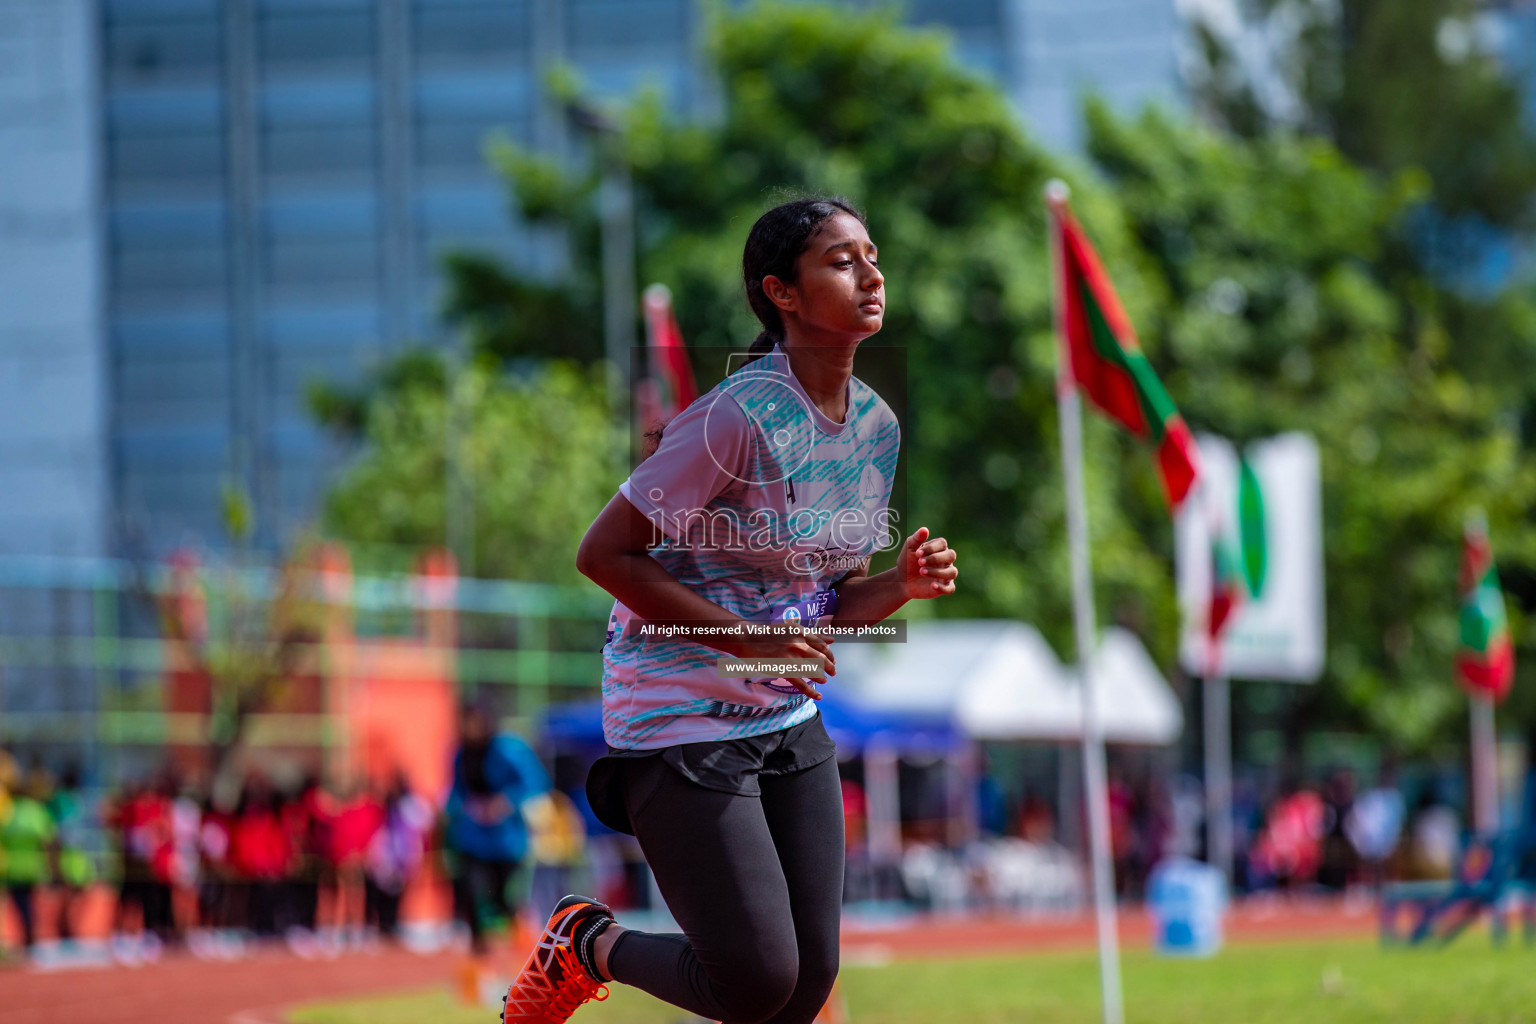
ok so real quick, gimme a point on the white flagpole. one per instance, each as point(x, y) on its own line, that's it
point(1096, 789)
point(1485, 769)
point(1218, 771)
point(1217, 721)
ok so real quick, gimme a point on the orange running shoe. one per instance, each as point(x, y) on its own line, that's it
point(552, 984)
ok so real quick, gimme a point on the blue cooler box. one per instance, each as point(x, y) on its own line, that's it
point(1187, 901)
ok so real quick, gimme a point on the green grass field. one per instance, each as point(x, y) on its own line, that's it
point(1350, 982)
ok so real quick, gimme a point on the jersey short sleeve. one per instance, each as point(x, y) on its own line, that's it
point(704, 452)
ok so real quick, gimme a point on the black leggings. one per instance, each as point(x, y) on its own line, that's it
point(756, 884)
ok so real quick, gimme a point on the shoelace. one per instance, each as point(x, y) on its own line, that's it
point(541, 995)
point(563, 1007)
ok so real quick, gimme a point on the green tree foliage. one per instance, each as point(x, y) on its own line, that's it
point(1396, 84)
point(537, 451)
point(1280, 308)
point(1269, 278)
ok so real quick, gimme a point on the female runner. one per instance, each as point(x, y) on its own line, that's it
point(762, 503)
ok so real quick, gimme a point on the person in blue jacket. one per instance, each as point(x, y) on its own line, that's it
point(494, 776)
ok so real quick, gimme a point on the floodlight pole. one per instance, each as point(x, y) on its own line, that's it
point(616, 209)
point(459, 512)
point(1095, 771)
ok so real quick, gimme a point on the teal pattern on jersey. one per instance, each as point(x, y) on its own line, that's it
point(797, 502)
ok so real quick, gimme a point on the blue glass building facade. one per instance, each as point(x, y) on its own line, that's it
point(279, 179)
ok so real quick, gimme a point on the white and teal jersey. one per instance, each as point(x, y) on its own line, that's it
point(761, 503)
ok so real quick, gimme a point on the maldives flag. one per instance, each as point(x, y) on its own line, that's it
point(1228, 587)
point(1486, 661)
point(1105, 359)
point(668, 356)
point(1239, 554)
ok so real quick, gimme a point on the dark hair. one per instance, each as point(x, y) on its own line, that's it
point(773, 249)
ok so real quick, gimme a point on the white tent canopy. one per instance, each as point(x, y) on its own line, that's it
point(1134, 701)
point(999, 679)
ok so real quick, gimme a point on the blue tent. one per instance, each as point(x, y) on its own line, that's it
point(853, 726)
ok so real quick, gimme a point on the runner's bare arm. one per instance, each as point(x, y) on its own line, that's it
point(615, 554)
point(925, 569)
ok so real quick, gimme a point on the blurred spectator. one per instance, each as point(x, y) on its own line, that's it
point(1156, 825)
point(185, 868)
point(1247, 822)
point(130, 816)
point(27, 838)
point(1375, 825)
point(1338, 867)
point(855, 814)
point(991, 807)
point(1186, 807)
point(1122, 831)
point(159, 838)
point(395, 853)
point(358, 817)
point(142, 818)
point(493, 775)
point(558, 838)
point(1435, 838)
point(73, 870)
point(1036, 822)
point(1289, 849)
point(217, 896)
point(260, 854)
point(8, 784)
point(308, 818)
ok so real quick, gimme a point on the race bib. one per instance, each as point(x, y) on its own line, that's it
point(809, 611)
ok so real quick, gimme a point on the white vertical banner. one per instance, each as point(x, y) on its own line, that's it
point(1269, 500)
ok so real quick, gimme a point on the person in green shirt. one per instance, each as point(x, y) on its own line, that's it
point(73, 869)
point(7, 784)
point(27, 839)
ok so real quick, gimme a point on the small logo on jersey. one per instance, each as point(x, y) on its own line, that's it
point(871, 484)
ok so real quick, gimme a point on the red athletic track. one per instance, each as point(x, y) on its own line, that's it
point(257, 990)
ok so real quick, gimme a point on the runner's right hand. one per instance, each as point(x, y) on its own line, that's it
point(804, 644)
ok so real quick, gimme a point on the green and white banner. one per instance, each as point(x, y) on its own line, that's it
point(1250, 548)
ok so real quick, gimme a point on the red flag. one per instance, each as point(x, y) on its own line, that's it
point(668, 355)
point(1105, 360)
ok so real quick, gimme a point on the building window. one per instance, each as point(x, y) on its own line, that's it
point(456, 115)
point(651, 25)
point(307, 40)
point(961, 14)
point(163, 139)
point(448, 33)
point(143, 49)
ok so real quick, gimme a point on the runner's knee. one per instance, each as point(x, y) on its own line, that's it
point(818, 970)
point(757, 993)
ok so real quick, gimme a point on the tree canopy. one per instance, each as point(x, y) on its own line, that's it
point(1271, 277)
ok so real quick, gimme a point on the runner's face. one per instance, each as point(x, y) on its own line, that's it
point(840, 290)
